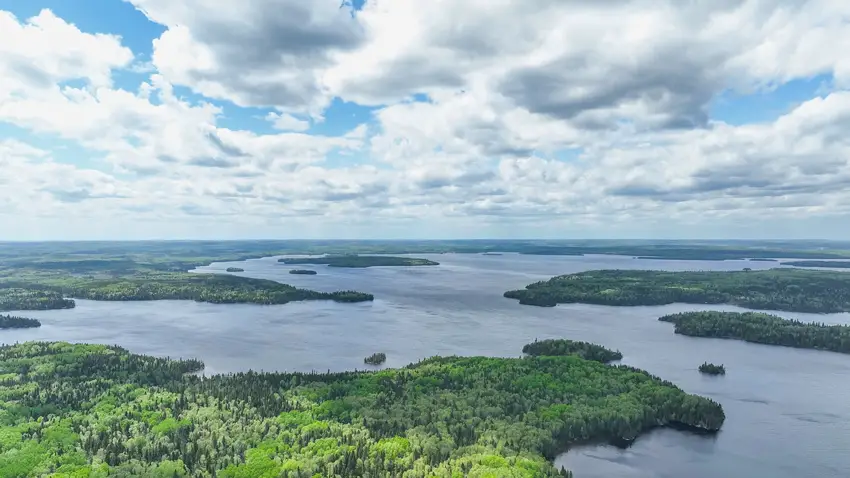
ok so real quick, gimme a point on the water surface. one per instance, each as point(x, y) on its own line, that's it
point(788, 410)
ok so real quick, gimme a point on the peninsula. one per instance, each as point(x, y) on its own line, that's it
point(826, 264)
point(510, 417)
point(360, 261)
point(798, 290)
point(761, 328)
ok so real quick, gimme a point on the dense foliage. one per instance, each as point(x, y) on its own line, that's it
point(94, 411)
point(375, 359)
point(827, 264)
point(220, 289)
point(16, 298)
point(306, 272)
point(360, 261)
point(712, 369)
point(12, 322)
point(777, 289)
point(584, 350)
point(762, 329)
point(235, 269)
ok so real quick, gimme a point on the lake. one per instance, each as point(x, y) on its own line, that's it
point(787, 410)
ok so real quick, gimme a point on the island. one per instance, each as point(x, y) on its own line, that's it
point(97, 410)
point(375, 359)
point(826, 264)
point(16, 298)
point(306, 272)
point(360, 261)
point(235, 269)
point(712, 369)
point(585, 350)
point(12, 322)
point(797, 290)
point(761, 328)
point(761, 259)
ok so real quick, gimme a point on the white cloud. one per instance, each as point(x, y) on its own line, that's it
point(623, 85)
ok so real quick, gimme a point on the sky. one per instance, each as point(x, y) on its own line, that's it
point(278, 119)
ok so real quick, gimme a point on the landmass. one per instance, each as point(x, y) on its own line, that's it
point(797, 290)
point(12, 322)
point(360, 261)
point(761, 260)
point(761, 328)
point(235, 269)
point(375, 359)
point(306, 272)
point(828, 264)
point(15, 298)
point(712, 369)
point(585, 350)
point(38, 284)
point(93, 410)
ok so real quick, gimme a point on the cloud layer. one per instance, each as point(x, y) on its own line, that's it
point(548, 117)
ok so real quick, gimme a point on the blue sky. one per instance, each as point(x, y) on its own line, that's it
point(417, 125)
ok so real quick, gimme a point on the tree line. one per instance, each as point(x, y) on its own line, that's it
point(761, 328)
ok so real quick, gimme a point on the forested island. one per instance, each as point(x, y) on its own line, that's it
point(235, 269)
point(306, 272)
point(13, 322)
point(761, 328)
point(74, 410)
point(796, 290)
point(375, 359)
point(30, 287)
point(585, 350)
point(15, 298)
point(827, 264)
point(712, 369)
point(360, 261)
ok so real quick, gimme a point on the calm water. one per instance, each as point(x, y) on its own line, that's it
point(788, 411)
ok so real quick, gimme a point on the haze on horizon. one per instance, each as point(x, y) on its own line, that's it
point(225, 119)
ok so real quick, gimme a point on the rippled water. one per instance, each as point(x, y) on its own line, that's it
point(788, 410)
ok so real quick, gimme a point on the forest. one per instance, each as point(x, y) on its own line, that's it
point(360, 261)
point(375, 359)
point(16, 298)
point(306, 272)
point(234, 269)
point(584, 350)
point(79, 410)
point(827, 264)
point(761, 328)
point(797, 290)
point(13, 322)
point(712, 369)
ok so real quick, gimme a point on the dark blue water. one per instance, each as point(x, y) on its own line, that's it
point(788, 410)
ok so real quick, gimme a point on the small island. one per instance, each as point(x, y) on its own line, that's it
point(761, 259)
point(825, 264)
point(761, 328)
point(12, 322)
point(797, 290)
point(305, 272)
point(491, 254)
point(585, 350)
point(360, 261)
point(235, 269)
point(712, 369)
point(375, 359)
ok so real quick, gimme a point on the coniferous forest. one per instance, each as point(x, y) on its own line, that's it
point(798, 290)
point(13, 322)
point(95, 411)
point(584, 350)
point(761, 328)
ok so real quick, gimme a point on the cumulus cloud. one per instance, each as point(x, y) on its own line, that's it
point(539, 113)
